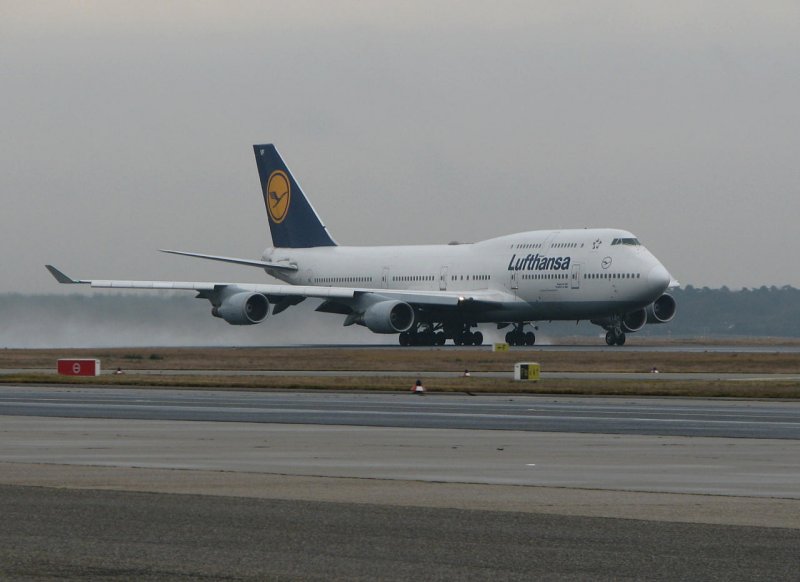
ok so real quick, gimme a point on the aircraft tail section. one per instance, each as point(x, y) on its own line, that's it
point(293, 222)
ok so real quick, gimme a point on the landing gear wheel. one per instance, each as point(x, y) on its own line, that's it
point(405, 339)
point(518, 337)
point(465, 337)
point(440, 339)
point(614, 338)
point(610, 339)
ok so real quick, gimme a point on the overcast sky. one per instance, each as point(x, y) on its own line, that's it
point(128, 127)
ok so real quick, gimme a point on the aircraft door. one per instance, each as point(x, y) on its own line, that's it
point(575, 279)
point(443, 279)
point(514, 281)
point(385, 278)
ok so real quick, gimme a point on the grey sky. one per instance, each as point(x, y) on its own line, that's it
point(127, 127)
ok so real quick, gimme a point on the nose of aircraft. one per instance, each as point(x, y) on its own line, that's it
point(659, 278)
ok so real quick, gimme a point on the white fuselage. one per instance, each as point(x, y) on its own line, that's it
point(539, 275)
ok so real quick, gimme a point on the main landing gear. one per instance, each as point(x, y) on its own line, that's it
point(468, 338)
point(519, 337)
point(462, 334)
point(426, 337)
point(615, 337)
point(437, 335)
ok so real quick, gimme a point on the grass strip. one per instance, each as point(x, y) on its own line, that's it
point(588, 387)
point(447, 359)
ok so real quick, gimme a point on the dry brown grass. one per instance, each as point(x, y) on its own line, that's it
point(446, 359)
point(414, 362)
point(716, 388)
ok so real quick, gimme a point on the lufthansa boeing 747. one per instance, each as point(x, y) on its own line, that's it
point(428, 294)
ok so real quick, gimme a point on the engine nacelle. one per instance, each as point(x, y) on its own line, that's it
point(389, 317)
point(243, 308)
point(635, 320)
point(662, 309)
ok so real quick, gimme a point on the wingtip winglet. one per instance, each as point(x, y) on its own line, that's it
point(59, 276)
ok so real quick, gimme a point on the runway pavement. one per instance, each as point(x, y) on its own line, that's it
point(589, 345)
point(752, 468)
point(624, 415)
point(167, 484)
point(748, 448)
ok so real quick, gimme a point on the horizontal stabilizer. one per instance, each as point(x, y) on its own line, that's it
point(234, 260)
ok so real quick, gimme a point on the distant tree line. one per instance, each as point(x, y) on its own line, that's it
point(765, 311)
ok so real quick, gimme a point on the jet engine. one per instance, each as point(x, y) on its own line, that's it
point(243, 308)
point(389, 317)
point(662, 309)
point(635, 320)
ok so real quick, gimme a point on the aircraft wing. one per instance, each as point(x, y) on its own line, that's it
point(206, 287)
point(276, 292)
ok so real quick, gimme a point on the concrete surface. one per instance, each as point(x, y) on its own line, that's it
point(722, 481)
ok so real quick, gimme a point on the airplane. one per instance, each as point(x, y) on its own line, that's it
point(429, 294)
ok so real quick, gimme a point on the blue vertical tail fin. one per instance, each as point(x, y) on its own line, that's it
point(293, 222)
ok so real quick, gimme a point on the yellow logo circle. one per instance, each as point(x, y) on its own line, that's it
point(279, 192)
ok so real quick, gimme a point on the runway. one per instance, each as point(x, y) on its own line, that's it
point(590, 345)
point(194, 483)
point(628, 415)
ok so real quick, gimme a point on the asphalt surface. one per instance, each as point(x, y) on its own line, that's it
point(103, 484)
point(628, 415)
point(747, 468)
point(68, 534)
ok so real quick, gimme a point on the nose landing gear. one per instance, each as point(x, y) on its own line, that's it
point(615, 337)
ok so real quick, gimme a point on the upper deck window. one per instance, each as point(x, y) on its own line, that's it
point(634, 242)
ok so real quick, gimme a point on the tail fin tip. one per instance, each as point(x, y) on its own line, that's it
point(293, 222)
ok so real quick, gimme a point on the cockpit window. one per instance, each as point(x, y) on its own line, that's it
point(633, 242)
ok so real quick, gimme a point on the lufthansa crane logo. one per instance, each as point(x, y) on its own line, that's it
point(279, 193)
